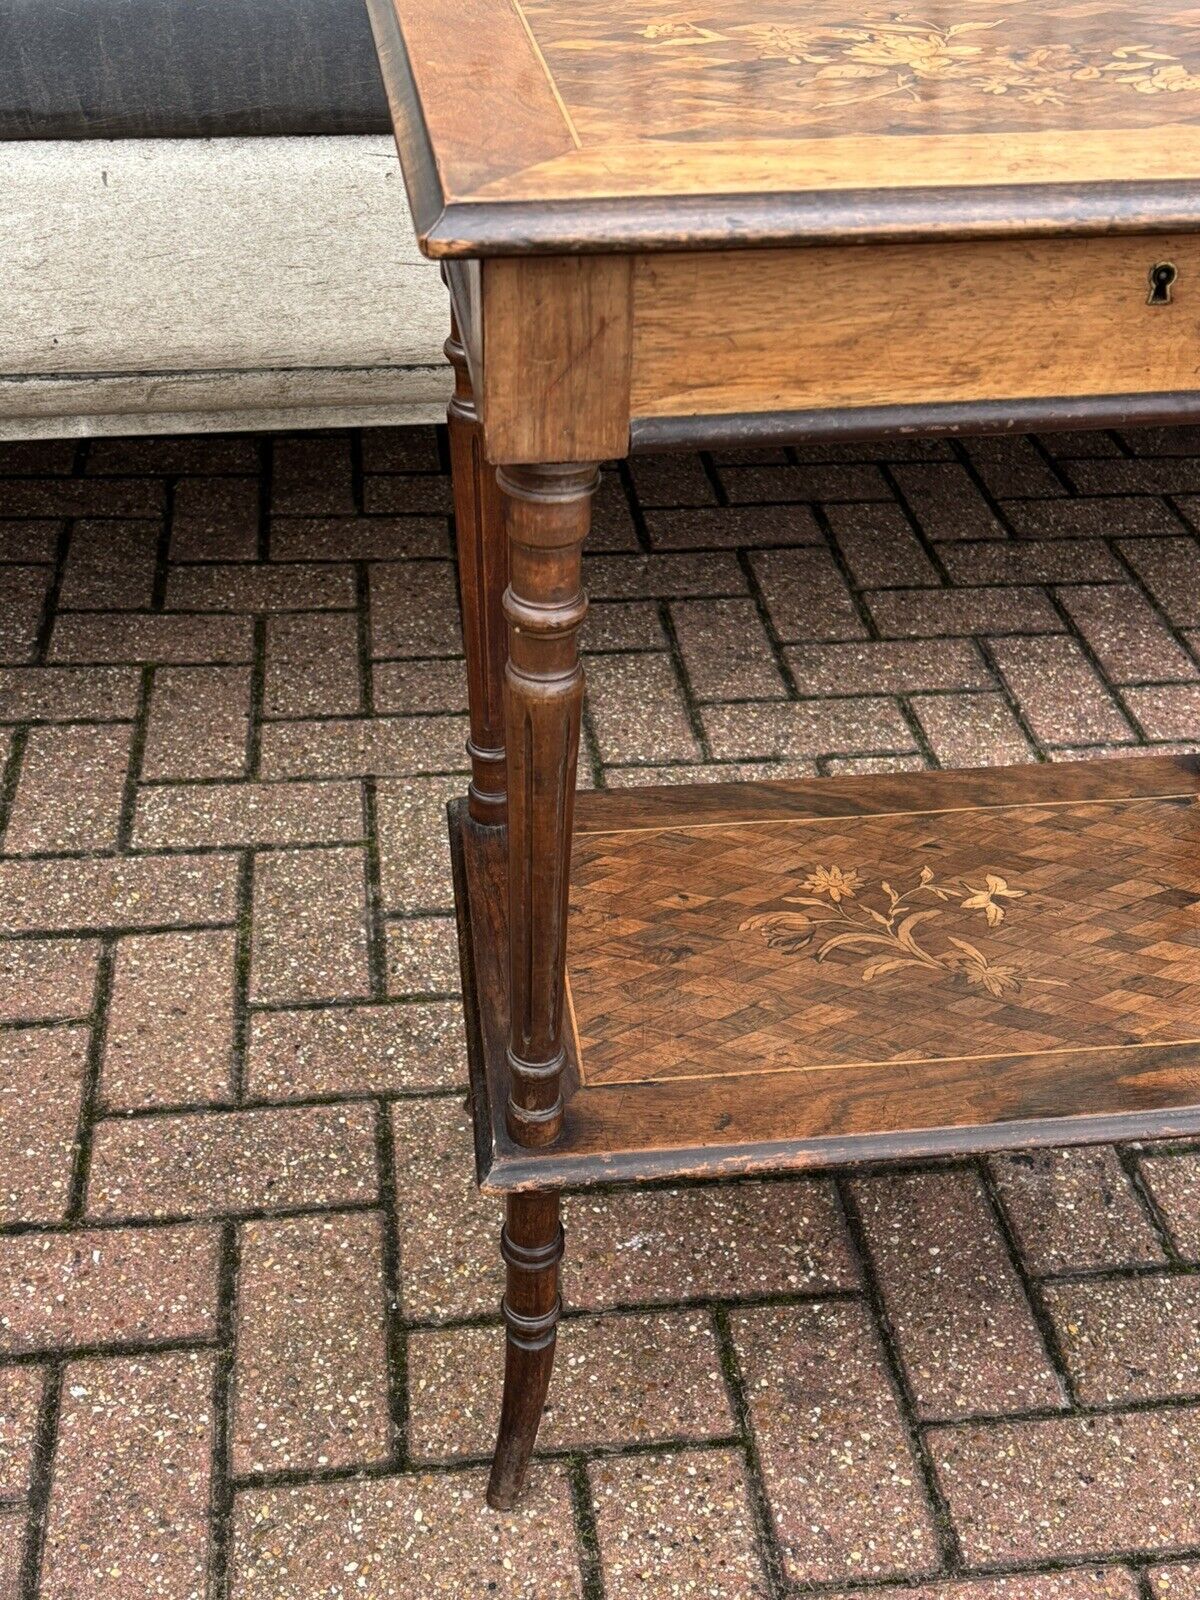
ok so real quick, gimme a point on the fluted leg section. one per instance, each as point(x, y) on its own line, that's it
point(532, 1246)
point(482, 577)
point(546, 511)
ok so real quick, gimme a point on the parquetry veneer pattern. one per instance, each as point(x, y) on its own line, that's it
point(726, 950)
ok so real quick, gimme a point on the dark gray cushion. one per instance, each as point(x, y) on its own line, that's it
point(105, 69)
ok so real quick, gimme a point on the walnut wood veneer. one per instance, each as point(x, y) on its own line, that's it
point(782, 976)
point(683, 226)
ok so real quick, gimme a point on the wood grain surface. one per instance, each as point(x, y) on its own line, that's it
point(546, 512)
point(722, 950)
point(482, 547)
point(913, 324)
point(609, 124)
point(723, 70)
point(776, 976)
point(556, 336)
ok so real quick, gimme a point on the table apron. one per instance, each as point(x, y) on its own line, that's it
point(914, 328)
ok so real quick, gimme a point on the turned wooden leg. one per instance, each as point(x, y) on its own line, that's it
point(482, 578)
point(532, 1246)
point(546, 512)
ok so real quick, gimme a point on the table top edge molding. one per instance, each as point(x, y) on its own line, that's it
point(781, 219)
point(418, 161)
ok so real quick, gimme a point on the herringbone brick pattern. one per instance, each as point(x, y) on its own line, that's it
point(249, 1342)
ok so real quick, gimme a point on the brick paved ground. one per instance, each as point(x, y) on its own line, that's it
point(247, 1297)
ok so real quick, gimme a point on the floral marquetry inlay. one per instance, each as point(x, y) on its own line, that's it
point(777, 120)
point(838, 915)
point(896, 937)
point(825, 68)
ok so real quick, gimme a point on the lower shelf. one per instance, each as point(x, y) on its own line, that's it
point(773, 977)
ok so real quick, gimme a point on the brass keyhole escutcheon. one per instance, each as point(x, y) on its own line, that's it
point(1162, 280)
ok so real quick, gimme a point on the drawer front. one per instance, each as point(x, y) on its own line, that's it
point(893, 325)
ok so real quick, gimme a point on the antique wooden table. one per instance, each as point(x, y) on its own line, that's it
point(667, 224)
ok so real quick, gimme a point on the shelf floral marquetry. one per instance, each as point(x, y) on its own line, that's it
point(806, 946)
point(839, 916)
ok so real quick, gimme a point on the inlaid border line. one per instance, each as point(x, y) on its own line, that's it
point(545, 66)
point(858, 1066)
point(845, 817)
point(574, 1023)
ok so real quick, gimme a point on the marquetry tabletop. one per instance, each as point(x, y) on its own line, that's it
point(646, 123)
